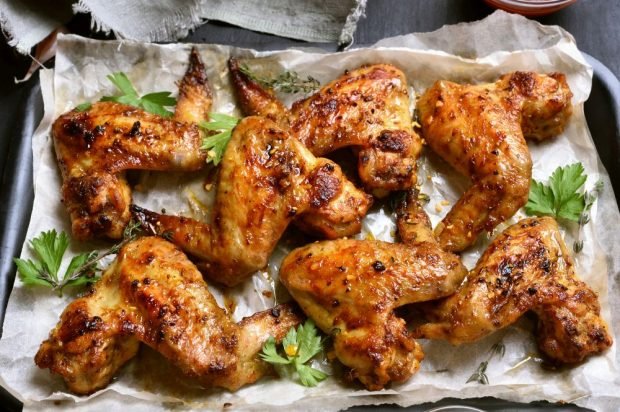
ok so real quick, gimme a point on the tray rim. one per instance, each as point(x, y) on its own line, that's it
point(19, 198)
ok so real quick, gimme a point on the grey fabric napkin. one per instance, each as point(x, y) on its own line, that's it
point(27, 22)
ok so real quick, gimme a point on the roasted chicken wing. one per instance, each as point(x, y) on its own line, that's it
point(153, 294)
point(94, 147)
point(366, 108)
point(526, 268)
point(266, 180)
point(351, 288)
point(480, 130)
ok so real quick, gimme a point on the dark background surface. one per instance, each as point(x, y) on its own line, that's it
point(593, 23)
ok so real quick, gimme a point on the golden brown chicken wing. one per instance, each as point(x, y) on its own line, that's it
point(480, 130)
point(351, 288)
point(266, 180)
point(153, 294)
point(95, 147)
point(527, 267)
point(366, 108)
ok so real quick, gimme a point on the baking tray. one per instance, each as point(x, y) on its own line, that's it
point(602, 111)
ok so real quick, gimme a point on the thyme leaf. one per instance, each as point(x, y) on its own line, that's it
point(286, 82)
point(480, 376)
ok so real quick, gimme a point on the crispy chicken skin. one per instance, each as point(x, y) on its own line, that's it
point(266, 180)
point(96, 146)
point(153, 294)
point(527, 267)
point(351, 288)
point(480, 130)
point(366, 108)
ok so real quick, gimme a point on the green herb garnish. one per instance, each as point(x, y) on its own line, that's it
point(589, 197)
point(480, 374)
point(299, 347)
point(155, 103)
point(216, 143)
point(50, 248)
point(286, 82)
point(83, 107)
point(563, 197)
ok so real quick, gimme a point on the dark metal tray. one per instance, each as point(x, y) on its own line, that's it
point(21, 115)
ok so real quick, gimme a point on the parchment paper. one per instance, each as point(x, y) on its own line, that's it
point(476, 52)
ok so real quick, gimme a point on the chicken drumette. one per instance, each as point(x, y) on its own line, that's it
point(526, 268)
point(366, 108)
point(267, 179)
point(94, 147)
point(351, 288)
point(153, 294)
point(480, 130)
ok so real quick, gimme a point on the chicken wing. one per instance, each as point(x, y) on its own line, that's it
point(366, 108)
point(94, 147)
point(351, 288)
point(480, 130)
point(153, 294)
point(526, 268)
point(266, 180)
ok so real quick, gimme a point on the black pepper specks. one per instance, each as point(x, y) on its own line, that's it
point(378, 266)
point(135, 130)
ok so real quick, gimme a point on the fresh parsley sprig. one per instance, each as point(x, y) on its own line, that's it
point(155, 103)
point(563, 197)
point(50, 247)
point(286, 82)
point(215, 144)
point(480, 374)
point(300, 346)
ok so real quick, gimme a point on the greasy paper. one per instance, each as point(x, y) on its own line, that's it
point(477, 52)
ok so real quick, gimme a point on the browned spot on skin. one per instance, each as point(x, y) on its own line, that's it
point(135, 130)
point(324, 185)
point(524, 81)
point(392, 141)
point(148, 259)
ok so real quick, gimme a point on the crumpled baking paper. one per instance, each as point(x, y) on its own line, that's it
point(476, 52)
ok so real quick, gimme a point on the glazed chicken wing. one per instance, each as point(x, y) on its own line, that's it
point(153, 294)
point(480, 130)
point(366, 108)
point(94, 147)
point(352, 287)
point(266, 180)
point(527, 267)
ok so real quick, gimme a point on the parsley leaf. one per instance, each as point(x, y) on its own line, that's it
point(270, 353)
point(561, 198)
point(50, 247)
point(300, 346)
point(310, 376)
point(309, 341)
point(216, 143)
point(155, 103)
point(83, 107)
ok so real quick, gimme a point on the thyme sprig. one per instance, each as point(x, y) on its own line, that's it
point(589, 198)
point(480, 375)
point(286, 82)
